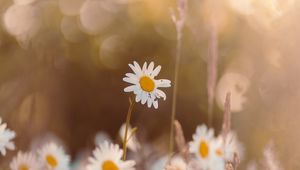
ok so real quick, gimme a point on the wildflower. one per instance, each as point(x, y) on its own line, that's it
point(144, 86)
point(231, 147)
point(6, 135)
point(207, 149)
point(108, 157)
point(176, 163)
point(132, 142)
point(53, 157)
point(25, 161)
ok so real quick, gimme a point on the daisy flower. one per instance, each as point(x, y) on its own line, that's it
point(6, 136)
point(207, 149)
point(53, 157)
point(108, 157)
point(144, 86)
point(25, 161)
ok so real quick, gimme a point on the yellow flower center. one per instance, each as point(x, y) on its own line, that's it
point(23, 167)
point(203, 149)
point(147, 84)
point(109, 165)
point(51, 160)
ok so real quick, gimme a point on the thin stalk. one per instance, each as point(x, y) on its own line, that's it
point(179, 23)
point(174, 99)
point(128, 117)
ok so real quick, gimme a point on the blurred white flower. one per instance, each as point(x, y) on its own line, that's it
point(53, 157)
point(6, 135)
point(176, 163)
point(144, 86)
point(25, 161)
point(43, 140)
point(206, 148)
point(132, 143)
point(232, 146)
point(107, 156)
point(235, 83)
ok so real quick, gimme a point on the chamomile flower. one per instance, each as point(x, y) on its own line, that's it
point(144, 86)
point(205, 147)
point(25, 161)
point(108, 157)
point(6, 135)
point(53, 157)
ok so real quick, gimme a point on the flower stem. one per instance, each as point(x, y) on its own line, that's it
point(128, 117)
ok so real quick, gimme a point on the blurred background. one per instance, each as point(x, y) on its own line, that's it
point(62, 64)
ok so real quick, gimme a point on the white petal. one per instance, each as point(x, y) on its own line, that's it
point(144, 97)
point(150, 68)
point(155, 71)
point(155, 104)
point(131, 75)
point(163, 83)
point(130, 88)
point(130, 80)
point(149, 102)
point(144, 69)
point(138, 97)
point(135, 68)
point(160, 93)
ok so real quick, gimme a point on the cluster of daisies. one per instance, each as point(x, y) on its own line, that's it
point(50, 156)
point(106, 156)
point(205, 152)
point(212, 153)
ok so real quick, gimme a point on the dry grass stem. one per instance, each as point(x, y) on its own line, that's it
point(227, 116)
point(179, 23)
point(180, 141)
